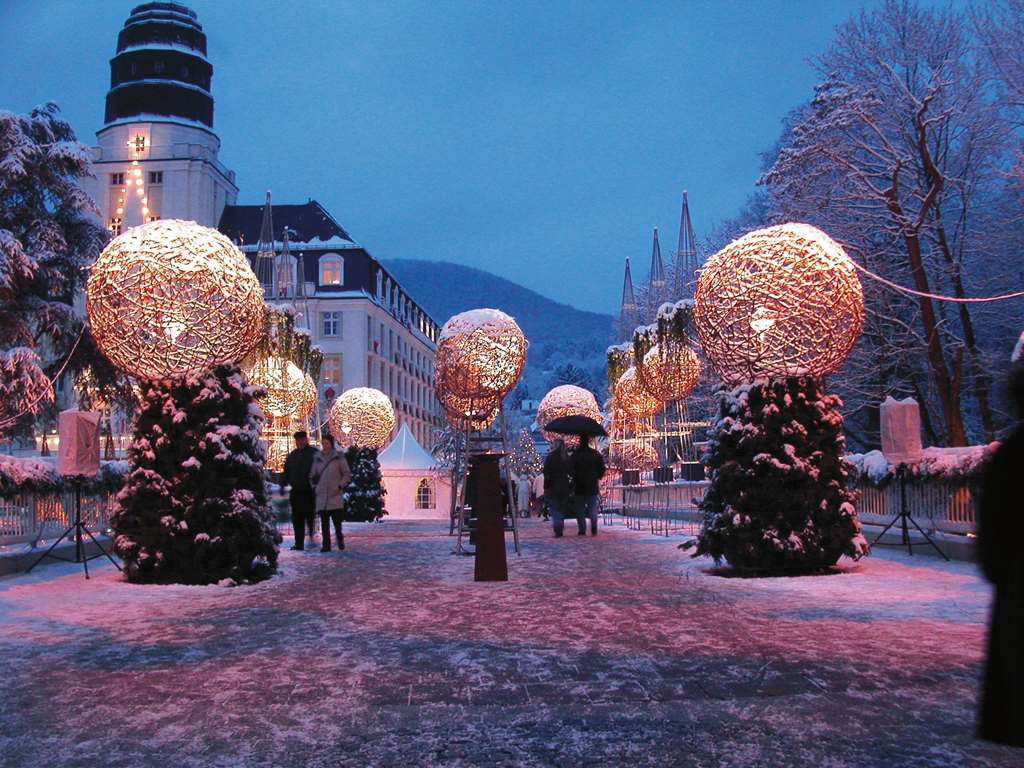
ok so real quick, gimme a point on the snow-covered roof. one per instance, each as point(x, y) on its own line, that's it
point(405, 452)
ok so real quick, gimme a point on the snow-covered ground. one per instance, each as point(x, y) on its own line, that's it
point(619, 650)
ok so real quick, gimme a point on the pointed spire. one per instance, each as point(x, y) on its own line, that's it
point(656, 288)
point(264, 265)
point(284, 267)
point(628, 318)
point(685, 268)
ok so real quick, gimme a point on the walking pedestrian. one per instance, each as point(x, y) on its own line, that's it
point(1000, 528)
point(558, 484)
point(329, 476)
point(295, 477)
point(587, 471)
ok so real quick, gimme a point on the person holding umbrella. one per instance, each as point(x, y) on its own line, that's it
point(558, 484)
point(587, 468)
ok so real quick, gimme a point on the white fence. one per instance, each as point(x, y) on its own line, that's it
point(33, 518)
point(936, 505)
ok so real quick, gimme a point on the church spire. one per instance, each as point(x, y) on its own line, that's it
point(628, 319)
point(685, 268)
point(656, 294)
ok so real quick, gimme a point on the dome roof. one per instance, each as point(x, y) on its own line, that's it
point(160, 68)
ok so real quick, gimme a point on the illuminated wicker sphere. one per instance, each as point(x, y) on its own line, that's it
point(480, 354)
point(566, 400)
point(781, 301)
point(287, 387)
point(634, 455)
point(363, 417)
point(467, 413)
point(172, 298)
point(670, 372)
point(632, 398)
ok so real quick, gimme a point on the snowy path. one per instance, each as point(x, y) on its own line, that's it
point(609, 651)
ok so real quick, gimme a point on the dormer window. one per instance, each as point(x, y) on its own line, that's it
point(331, 269)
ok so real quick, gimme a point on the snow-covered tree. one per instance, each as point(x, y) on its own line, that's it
point(364, 495)
point(47, 237)
point(194, 509)
point(570, 373)
point(778, 499)
point(898, 156)
point(526, 462)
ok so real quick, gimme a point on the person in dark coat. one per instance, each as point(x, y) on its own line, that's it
point(587, 471)
point(558, 484)
point(296, 477)
point(1000, 542)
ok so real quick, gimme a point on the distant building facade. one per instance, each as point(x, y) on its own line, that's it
point(157, 158)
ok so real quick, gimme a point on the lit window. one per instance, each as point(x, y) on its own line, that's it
point(331, 272)
point(156, 177)
point(115, 225)
point(117, 179)
point(425, 494)
point(330, 323)
point(330, 370)
point(139, 142)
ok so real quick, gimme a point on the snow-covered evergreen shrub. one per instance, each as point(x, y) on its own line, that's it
point(778, 499)
point(364, 495)
point(194, 509)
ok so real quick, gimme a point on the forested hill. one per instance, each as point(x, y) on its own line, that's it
point(558, 334)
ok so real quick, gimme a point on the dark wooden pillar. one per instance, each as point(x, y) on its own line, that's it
point(490, 563)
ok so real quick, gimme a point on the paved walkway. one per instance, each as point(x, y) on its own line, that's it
point(619, 650)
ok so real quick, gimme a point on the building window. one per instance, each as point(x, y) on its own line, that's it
point(115, 225)
point(152, 218)
point(156, 177)
point(330, 323)
point(117, 179)
point(138, 143)
point(331, 270)
point(330, 371)
point(158, 66)
point(425, 494)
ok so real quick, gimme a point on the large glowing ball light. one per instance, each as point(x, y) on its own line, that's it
point(475, 414)
point(172, 298)
point(287, 387)
point(671, 372)
point(632, 399)
point(778, 302)
point(566, 400)
point(480, 354)
point(363, 417)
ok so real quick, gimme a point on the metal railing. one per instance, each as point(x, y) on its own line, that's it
point(664, 508)
point(33, 518)
point(936, 504)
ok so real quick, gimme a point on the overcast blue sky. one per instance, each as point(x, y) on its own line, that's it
point(539, 140)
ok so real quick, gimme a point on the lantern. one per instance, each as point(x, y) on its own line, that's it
point(669, 371)
point(172, 298)
point(363, 417)
point(566, 400)
point(777, 302)
point(480, 354)
point(632, 399)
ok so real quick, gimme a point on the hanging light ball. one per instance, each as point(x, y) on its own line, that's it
point(480, 354)
point(309, 395)
point(286, 385)
point(670, 371)
point(634, 454)
point(172, 298)
point(632, 399)
point(777, 302)
point(566, 400)
point(363, 417)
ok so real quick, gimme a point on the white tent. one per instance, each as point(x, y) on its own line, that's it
point(416, 486)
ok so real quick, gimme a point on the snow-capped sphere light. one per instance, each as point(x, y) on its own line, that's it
point(566, 400)
point(669, 372)
point(777, 302)
point(172, 298)
point(480, 354)
point(363, 417)
point(467, 413)
point(286, 385)
point(632, 399)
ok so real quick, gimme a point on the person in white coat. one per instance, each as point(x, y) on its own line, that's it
point(329, 476)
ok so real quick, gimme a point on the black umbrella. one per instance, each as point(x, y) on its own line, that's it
point(575, 425)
